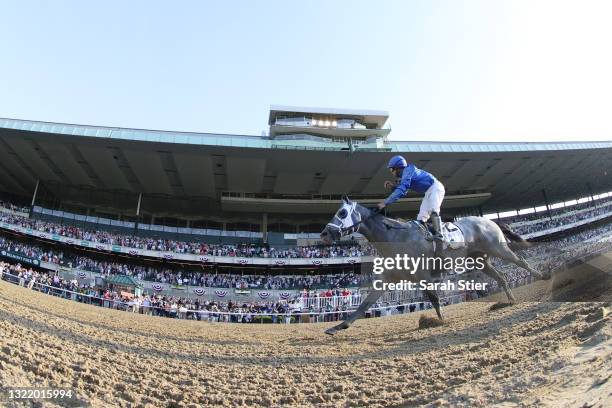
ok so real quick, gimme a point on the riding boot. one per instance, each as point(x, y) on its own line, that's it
point(428, 235)
point(437, 227)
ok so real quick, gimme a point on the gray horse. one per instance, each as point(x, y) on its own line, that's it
point(482, 238)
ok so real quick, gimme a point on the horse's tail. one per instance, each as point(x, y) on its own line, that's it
point(516, 241)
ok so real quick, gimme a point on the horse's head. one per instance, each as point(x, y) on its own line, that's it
point(345, 222)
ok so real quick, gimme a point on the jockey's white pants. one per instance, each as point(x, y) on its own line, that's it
point(432, 201)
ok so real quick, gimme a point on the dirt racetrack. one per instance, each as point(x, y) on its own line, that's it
point(527, 354)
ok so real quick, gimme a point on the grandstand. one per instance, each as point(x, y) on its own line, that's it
point(270, 188)
point(237, 217)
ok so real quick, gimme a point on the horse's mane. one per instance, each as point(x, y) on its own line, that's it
point(389, 222)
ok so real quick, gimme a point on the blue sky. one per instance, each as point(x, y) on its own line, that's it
point(445, 70)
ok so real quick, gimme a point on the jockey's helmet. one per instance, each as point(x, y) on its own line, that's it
point(397, 161)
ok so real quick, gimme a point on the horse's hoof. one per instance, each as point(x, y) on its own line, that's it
point(331, 331)
point(426, 322)
point(500, 305)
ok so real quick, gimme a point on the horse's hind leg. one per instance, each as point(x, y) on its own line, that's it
point(435, 301)
point(499, 278)
point(507, 255)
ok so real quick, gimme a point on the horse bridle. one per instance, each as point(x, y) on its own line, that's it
point(355, 226)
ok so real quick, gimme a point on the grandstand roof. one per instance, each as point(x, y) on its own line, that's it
point(260, 174)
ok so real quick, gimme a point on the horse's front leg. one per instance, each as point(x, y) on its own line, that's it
point(435, 302)
point(359, 313)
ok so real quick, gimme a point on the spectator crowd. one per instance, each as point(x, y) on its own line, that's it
point(183, 247)
point(554, 253)
point(530, 223)
point(544, 257)
point(560, 217)
point(13, 207)
point(173, 306)
point(181, 277)
point(344, 288)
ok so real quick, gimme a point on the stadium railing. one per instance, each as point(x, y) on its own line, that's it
point(291, 316)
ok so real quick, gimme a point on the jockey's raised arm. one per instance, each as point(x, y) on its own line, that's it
point(403, 185)
point(412, 178)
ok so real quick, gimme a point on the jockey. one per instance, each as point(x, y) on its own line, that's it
point(409, 177)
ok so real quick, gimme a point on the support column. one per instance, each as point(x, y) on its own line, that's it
point(35, 192)
point(138, 206)
point(480, 211)
point(591, 194)
point(264, 227)
point(547, 205)
point(137, 214)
